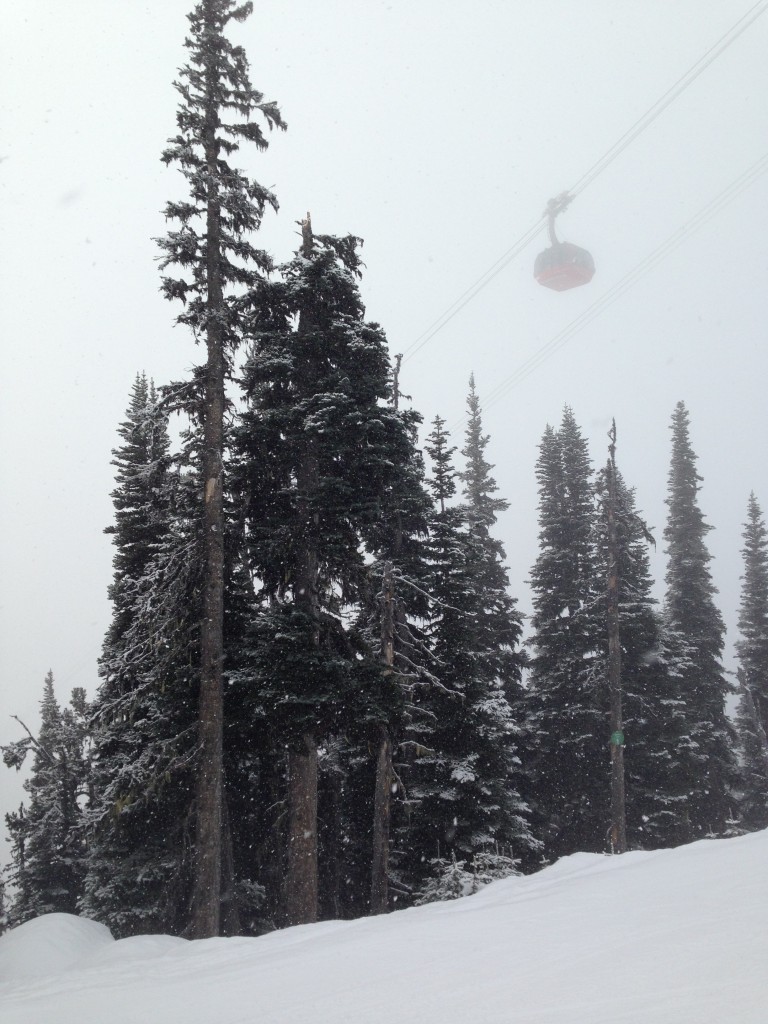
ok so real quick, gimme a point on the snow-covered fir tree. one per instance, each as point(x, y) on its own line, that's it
point(144, 711)
point(753, 760)
point(48, 849)
point(140, 500)
point(650, 673)
point(467, 781)
point(706, 765)
point(568, 768)
point(752, 645)
point(211, 252)
point(752, 653)
point(319, 453)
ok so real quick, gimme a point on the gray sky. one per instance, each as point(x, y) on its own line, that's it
point(436, 130)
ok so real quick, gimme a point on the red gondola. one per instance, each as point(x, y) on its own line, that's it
point(563, 265)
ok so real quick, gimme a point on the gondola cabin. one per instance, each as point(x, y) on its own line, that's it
point(564, 265)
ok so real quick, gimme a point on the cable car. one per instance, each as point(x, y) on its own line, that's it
point(563, 265)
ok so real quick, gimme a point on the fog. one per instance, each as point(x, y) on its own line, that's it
point(436, 131)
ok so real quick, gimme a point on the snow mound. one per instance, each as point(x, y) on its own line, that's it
point(669, 937)
point(50, 945)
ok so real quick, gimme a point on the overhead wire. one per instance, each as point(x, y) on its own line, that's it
point(503, 261)
point(714, 206)
point(670, 95)
point(664, 101)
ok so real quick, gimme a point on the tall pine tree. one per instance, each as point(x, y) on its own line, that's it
point(752, 653)
point(650, 667)
point(219, 109)
point(319, 454)
point(138, 875)
point(752, 647)
point(568, 770)
point(471, 822)
point(706, 759)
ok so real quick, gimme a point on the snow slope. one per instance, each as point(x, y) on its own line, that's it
point(669, 937)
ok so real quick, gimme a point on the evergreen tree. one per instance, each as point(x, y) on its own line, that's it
point(753, 750)
point(467, 782)
point(752, 647)
point(319, 454)
point(143, 714)
point(706, 760)
point(650, 666)
point(48, 862)
point(752, 652)
point(140, 501)
point(568, 770)
point(211, 248)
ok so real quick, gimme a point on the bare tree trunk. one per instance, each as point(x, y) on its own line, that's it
point(206, 893)
point(381, 819)
point(301, 890)
point(300, 895)
point(230, 916)
point(384, 774)
point(618, 830)
point(330, 840)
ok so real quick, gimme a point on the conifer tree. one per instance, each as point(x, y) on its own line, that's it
point(752, 647)
point(144, 711)
point(567, 702)
point(140, 501)
point(318, 457)
point(211, 249)
point(706, 769)
point(497, 631)
point(753, 768)
point(471, 817)
point(653, 711)
point(48, 843)
point(752, 653)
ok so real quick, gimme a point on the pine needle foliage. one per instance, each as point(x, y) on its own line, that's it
point(48, 848)
point(706, 759)
point(568, 769)
point(752, 653)
point(466, 780)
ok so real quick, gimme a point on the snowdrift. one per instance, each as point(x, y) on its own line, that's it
point(669, 937)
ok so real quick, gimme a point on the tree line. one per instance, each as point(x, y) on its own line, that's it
point(315, 700)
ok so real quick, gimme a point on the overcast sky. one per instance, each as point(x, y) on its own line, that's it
point(436, 130)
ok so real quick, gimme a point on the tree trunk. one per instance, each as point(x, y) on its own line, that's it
point(331, 843)
point(301, 890)
point(206, 893)
point(381, 818)
point(230, 916)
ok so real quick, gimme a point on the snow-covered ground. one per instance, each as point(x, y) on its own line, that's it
point(669, 937)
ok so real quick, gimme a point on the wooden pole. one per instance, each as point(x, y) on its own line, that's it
point(618, 831)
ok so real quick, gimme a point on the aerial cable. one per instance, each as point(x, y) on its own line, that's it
point(671, 95)
point(466, 296)
point(597, 168)
point(719, 202)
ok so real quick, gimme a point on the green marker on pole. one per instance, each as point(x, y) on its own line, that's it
point(617, 738)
